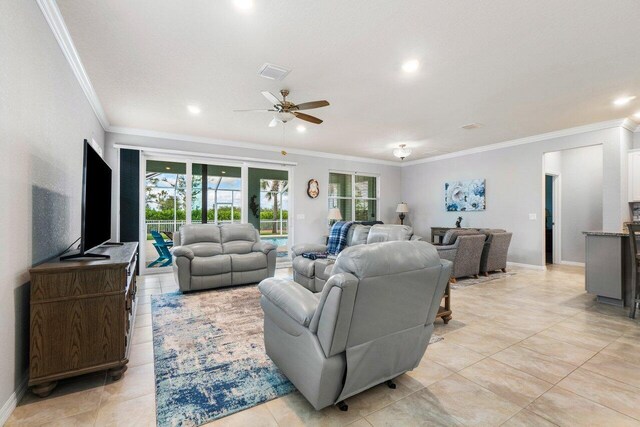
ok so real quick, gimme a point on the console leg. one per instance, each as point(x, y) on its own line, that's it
point(391, 384)
point(44, 389)
point(116, 373)
point(342, 406)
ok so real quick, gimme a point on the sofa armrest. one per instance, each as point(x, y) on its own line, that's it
point(416, 238)
point(183, 251)
point(447, 252)
point(296, 301)
point(308, 247)
point(263, 247)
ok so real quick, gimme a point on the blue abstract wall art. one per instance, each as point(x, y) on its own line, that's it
point(464, 195)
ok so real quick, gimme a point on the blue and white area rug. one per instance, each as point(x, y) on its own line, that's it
point(209, 355)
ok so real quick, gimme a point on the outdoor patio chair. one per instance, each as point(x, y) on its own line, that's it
point(162, 247)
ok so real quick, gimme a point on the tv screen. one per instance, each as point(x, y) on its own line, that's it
point(96, 198)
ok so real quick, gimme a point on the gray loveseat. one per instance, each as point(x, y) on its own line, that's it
point(313, 274)
point(207, 256)
point(371, 323)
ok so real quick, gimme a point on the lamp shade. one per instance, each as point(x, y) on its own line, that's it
point(402, 208)
point(334, 213)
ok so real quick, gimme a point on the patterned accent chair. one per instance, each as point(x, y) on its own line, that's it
point(496, 249)
point(463, 248)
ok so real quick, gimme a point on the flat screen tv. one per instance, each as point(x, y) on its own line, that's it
point(96, 204)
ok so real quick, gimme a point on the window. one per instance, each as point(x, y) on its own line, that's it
point(355, 195)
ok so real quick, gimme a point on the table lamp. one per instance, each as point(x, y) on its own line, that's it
point(402, 209)
point(334, 215)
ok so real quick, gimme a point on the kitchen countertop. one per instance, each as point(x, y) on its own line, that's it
point(606, 233)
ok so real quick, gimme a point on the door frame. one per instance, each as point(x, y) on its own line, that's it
point(189, 160)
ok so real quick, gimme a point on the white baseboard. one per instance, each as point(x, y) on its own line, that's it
point(12, 402)
point(575, 264)
point(529, 266)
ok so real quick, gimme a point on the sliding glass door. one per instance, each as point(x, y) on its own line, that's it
point(221, 203)
point(197, 192)
point(269, 208)
point(165, 209)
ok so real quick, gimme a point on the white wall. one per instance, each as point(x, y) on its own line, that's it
point(44, 117)
point(515, 188)
point(581, 199)
point(636, 140)
point(314, 226)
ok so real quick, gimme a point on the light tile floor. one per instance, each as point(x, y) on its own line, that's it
point(532, 349)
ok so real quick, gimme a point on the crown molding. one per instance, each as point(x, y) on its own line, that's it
point(248, 145)
point(54, 18)
point(630, 125)
point(625, 123)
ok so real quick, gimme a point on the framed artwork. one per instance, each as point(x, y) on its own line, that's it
point(313, 188)
point(464, 195)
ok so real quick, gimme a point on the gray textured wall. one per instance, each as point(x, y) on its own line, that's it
point(515, 184)
point(314, 226)
point(44, 117)
point(581, 195)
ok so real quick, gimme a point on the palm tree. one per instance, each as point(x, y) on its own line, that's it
point(272, 187)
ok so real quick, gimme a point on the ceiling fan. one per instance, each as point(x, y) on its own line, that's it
point(286, 111)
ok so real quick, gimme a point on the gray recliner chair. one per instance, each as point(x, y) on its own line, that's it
point(371, 323)
point(313, 274)
point(208, 256)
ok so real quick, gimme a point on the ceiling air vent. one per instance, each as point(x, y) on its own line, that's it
point(472, 126)
point(273, 72)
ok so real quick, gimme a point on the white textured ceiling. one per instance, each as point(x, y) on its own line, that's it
point(519, 67)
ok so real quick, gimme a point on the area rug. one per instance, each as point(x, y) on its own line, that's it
point(470, 281)
point(209, 356)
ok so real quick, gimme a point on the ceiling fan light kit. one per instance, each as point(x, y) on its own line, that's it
point(285, 111)
point(402, 151)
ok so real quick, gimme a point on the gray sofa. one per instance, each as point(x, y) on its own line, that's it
point(207, 256)
point(464, 248)
point(371, 323)
point(313, 274)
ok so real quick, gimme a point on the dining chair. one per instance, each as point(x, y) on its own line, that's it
point(634, 234)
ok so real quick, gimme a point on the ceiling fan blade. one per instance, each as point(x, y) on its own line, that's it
point(312, 104)
point(273, 123)
point(254, 111)
point(271, 97)
point(307, 118)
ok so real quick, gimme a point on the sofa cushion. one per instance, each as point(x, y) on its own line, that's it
point(198, 233)
point(237, 238)
point(359, 235)
point(248, 262)
point(389, 233)
point(210, 266)
point(304, 266)
point(205, 249)
point(324, 268)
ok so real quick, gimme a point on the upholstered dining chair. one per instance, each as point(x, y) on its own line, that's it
point(634, 235)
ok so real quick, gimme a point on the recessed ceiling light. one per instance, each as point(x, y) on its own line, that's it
point(194, 109)
point(411, 66)
point(301, 129)
point(637, 115)
point(624, 100)
point(224, 172)
point(243, 5)
point(168, 168)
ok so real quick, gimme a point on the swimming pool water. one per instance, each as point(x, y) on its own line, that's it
point(278, 241)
